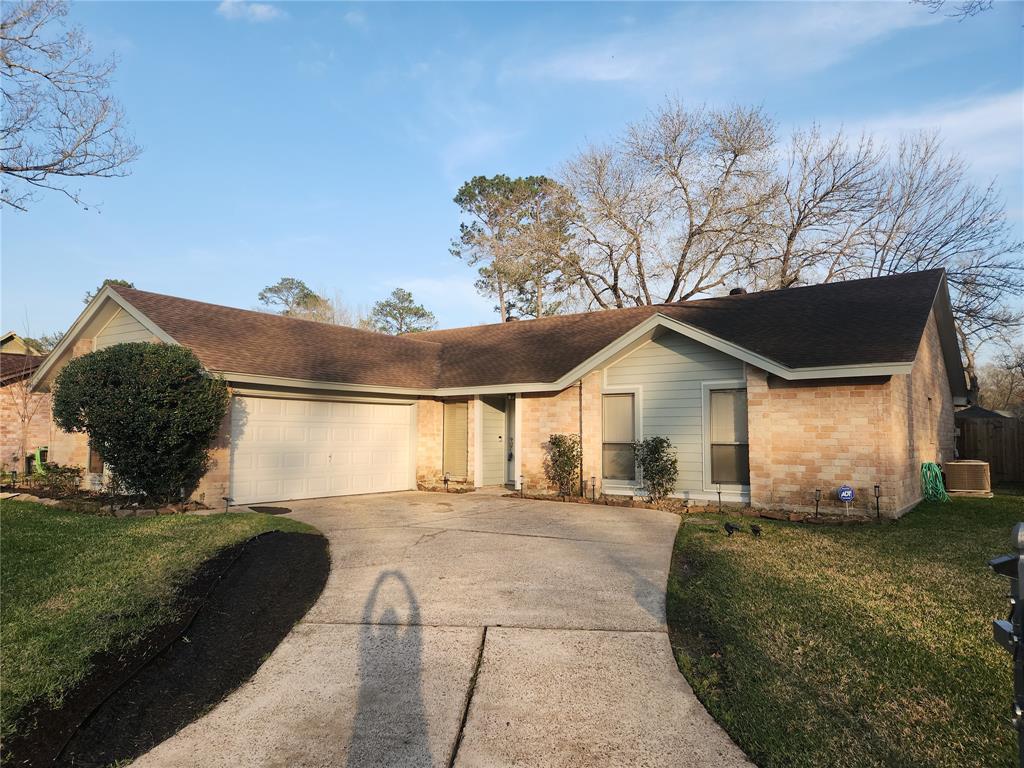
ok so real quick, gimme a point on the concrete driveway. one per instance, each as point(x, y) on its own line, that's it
point(471, 630)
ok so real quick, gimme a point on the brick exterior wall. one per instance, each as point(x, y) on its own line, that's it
point(544, 414)
point(817, 434)
point(17, 403)
point(822, 434)
point(215, 484)
point(922, 415)
point(429, 434)
point(72, 448)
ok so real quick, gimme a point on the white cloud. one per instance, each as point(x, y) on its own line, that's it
point(247, 11)
point(355, 19)
point(986, 131)
point(773, 40)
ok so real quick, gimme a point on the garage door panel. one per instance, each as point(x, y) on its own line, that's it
point(292, 449)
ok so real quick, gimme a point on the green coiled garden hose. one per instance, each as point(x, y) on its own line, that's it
point(931, 482)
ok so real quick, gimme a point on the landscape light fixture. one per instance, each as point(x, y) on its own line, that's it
point(522, 486)
point(720, 499)
point(878, 506)
point(227, 502)
point(593, 488)
point(817, 500)
point(447, 479)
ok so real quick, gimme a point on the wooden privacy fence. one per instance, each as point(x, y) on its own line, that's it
point(997, 440)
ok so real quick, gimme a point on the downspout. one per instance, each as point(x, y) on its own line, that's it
point(582, 490)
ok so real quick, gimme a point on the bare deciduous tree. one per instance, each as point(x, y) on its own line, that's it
point(931, 216)
point(59, 121)
point(1002, 382)
point(821, 210)
point(615, 227)
point(961, 10)
point(691, 199)
point(26, 405)
point(674, 208)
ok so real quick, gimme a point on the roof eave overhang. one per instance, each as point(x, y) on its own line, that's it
point(949, 340)
point(621, 346)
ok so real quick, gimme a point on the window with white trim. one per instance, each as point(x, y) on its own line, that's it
point(618, 420)
point(730, 450)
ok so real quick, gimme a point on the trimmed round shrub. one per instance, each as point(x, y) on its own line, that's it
point(151, 411)
point(659, 467)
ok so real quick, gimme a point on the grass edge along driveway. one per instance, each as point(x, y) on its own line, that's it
point(851, 645)
point(73, 586)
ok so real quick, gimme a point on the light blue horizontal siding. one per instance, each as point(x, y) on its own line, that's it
point(671, 369)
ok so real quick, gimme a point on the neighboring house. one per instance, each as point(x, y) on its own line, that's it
point(24, 415)
point(766, 396)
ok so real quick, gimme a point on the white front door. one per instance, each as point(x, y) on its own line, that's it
point(300, 449)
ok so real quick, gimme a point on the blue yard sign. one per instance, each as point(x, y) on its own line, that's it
point(845, 493)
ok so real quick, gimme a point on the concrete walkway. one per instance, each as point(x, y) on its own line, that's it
point(471, 630)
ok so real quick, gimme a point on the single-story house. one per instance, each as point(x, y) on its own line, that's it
point(766, 396)
point(24, 414)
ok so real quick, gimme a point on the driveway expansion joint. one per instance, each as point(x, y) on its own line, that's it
point(469, 698)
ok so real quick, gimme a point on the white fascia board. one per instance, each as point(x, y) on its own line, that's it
point(75, 331)
point(233, 377)
point(279, 381)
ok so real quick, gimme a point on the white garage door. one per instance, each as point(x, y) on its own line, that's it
point(303, 449)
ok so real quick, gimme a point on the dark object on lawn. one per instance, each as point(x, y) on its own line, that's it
point(878, 506)
point(258, 599)
point(755, 529)
point(271, 510)
point(1008, 633)
point(730, 529)
point(817, 500)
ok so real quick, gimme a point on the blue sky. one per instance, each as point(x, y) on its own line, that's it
point(325, 141)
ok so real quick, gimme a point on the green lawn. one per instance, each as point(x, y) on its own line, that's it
point(853, 646)
point(74, 585)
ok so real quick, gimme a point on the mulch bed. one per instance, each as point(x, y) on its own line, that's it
point(682, 507)
point(236, 610)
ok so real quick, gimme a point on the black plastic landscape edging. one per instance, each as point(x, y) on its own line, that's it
point(54, 729)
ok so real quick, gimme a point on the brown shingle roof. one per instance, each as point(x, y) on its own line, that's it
point(877, 320)
point(244, 341)
point(857, 322)
point(15, 366)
